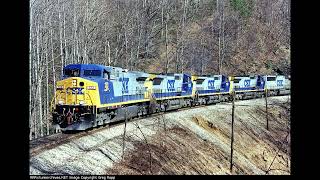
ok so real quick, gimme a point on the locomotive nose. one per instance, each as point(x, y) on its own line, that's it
point(71, 91)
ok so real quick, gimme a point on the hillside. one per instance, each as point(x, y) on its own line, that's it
point(192, 141)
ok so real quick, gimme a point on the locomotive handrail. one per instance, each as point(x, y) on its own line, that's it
point(89, 97)
point(53, 98)
point(51, 104)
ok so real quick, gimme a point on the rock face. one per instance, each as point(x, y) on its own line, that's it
point(193, 141)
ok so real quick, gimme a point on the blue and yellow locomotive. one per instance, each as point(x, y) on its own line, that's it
point(90, 95)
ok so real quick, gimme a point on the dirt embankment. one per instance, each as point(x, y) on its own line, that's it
point(194, 141)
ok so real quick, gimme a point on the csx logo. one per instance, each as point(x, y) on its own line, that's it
point(246, 83)
point(211, 84)
point(170, 85)
point(279, 83)
point(77, 90)
point(125, 82)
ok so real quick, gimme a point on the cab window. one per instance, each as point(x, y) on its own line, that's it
point(71, 72)
point(92, 73)
point(157, 81)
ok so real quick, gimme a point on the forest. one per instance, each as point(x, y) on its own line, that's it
point(230, 37)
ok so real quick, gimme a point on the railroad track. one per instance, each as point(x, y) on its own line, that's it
point(51, 141)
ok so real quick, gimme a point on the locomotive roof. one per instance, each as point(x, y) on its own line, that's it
point(87, 66)
point(171, 74)
point(102, 67)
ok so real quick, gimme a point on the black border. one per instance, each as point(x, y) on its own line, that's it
point(15, 97)
point(299, 127)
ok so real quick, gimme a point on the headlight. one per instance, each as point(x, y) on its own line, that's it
point(60, 102)
point(81, 102)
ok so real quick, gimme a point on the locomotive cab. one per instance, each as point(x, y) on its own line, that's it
point(260, 82)
point(225, 83)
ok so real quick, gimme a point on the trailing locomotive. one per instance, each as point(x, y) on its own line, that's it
point(91, 95)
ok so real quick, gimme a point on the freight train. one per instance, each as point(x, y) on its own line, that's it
point(91, 95)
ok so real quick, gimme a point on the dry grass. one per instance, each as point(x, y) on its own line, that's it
point(180, 151)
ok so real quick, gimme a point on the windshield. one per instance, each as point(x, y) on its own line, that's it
point(92, 73)
point(71, 72)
